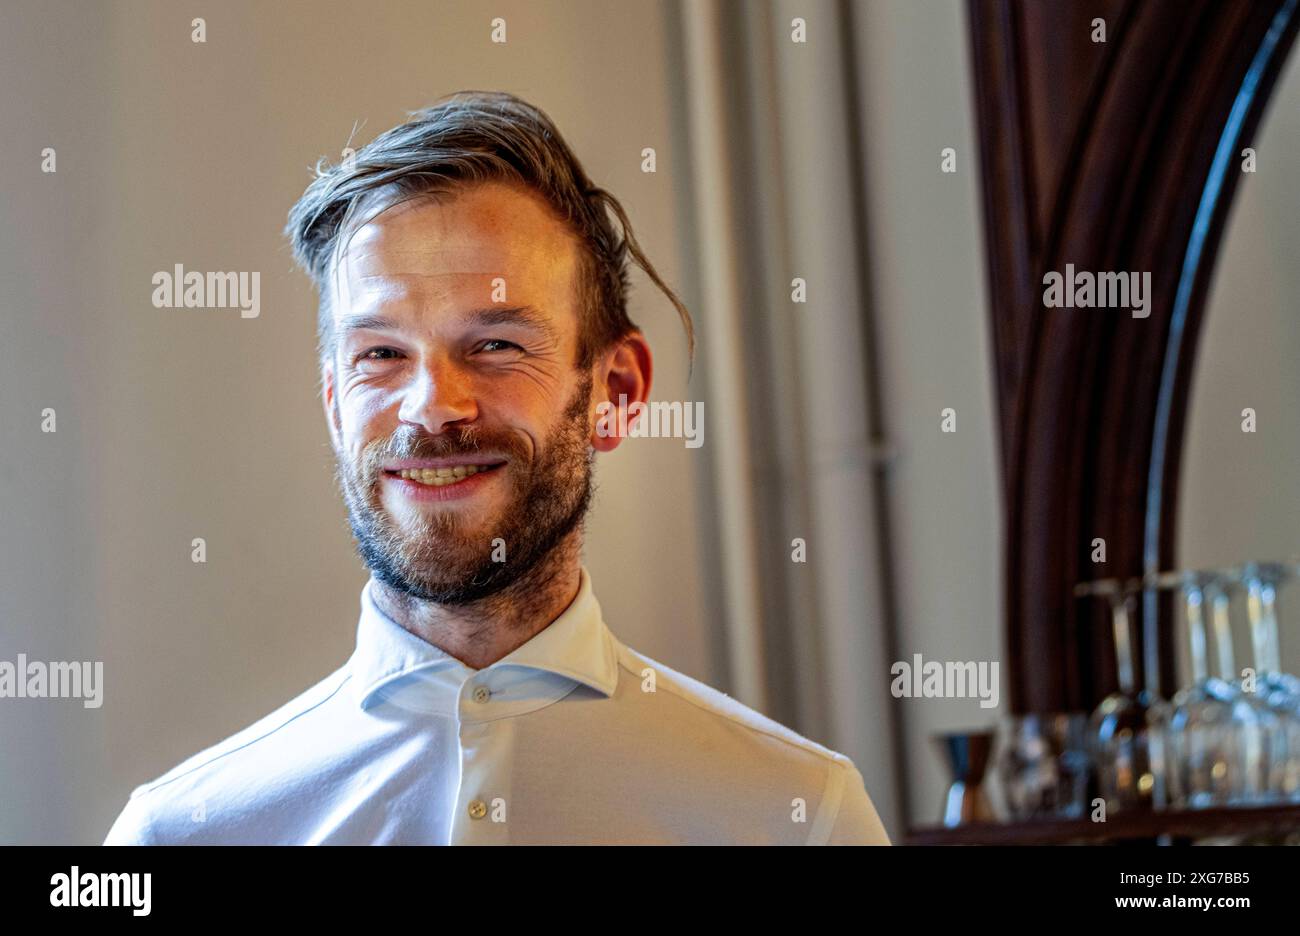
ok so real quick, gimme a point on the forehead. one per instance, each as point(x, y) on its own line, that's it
point(451, 247)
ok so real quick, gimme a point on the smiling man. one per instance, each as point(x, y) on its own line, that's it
point(472, 321)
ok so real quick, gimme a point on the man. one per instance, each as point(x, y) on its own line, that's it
point(472, 324)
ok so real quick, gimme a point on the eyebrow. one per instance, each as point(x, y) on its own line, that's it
point(491, 315)
point(518, 315)
point(364, 322)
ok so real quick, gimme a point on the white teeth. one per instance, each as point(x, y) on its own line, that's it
point(439, 477)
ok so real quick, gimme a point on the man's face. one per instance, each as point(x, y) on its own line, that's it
point(460, 423)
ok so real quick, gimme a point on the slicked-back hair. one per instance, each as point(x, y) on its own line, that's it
point(464, 139)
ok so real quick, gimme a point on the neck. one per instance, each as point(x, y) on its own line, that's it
point(483, 632)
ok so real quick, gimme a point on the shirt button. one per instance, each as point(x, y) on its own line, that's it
point(477, 809)
point(482, 693)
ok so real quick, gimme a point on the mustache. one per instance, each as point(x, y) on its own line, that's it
point(412, 442)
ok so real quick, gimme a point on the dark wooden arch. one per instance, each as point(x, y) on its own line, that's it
point(1103, 155)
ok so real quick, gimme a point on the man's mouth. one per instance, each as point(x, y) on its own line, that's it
point(442, 476)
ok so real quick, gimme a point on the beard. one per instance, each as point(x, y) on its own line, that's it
point(442, 556)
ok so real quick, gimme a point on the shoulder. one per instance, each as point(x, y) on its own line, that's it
point(748, 753)
point(168, 807)
point(713, 710)
point(259, 733)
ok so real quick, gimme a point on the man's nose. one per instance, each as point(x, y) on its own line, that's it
point(440, 393)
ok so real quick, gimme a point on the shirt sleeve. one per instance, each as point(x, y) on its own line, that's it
point(134, 826)
point(856, 821)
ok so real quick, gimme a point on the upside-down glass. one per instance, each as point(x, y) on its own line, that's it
point(1279, 691)
point(1127, 730)
point(1217, 755)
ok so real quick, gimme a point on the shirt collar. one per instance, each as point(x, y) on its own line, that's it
point(576, 647)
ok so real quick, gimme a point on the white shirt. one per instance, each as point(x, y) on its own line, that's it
point(570, 738)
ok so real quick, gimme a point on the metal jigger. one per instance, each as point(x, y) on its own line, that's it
point(966, 754)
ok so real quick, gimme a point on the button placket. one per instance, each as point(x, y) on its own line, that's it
point(483, 804)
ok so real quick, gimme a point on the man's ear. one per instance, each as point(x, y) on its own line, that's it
point(623, 378)
point(329, 400)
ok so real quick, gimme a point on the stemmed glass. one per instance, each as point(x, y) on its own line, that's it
point(1267, 734)
point(1127, 730)
point(1279, 691)
point(1217, 754)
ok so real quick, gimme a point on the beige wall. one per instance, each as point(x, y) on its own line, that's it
point(932, 314)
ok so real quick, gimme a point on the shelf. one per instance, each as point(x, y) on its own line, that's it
point(1178, 824)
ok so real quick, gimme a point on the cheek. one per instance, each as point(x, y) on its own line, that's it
point(366, 415)
point(515, 402)
point(538, 418)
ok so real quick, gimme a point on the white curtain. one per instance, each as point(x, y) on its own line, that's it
point(775, 196)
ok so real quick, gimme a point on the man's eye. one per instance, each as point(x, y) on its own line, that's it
point(499, 344)
point(377, 354)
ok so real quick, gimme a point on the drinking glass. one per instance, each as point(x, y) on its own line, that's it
point(1278, 691)
point(1043, 766)
point(1127, 731)
point(1217, 755)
